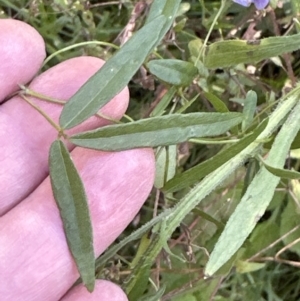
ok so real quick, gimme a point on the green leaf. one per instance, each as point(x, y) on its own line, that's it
point(167, 8)
point(112, 250)
point(164, 102)
point(174, 72)
point(233, 52)
point(141, 283)
point(119, 70)
point(256, 199)
point(153, 296)
point(289, 223)
point(165, 168)
point(249, 109)
point(198, 172)
point(71, 200)
point(162, 130)
point(194, 47)
point(253, 167)
point(113, 76)
point(296, 142)
point(216, 102)
point(247, 267)
point(282, 173)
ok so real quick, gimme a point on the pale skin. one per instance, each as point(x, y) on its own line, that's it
point(35, 263)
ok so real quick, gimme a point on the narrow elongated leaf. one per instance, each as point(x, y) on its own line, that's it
point(71, 200)
point(289, 219)
point(113, 76)
point(249, 109)
point(141, 283)
point(256, 199)
point(166, 162)
point(195, 174)
point(253, 168)
point(282, 173)
point(217, 103)
point(174, 72)
point(162, 130)
point(247, 267)
point(167, 8)
point(112, 251)
point(165, 101)
point(153, 296)
point(229, 53)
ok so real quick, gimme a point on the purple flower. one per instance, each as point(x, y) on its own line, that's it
point(260, 4)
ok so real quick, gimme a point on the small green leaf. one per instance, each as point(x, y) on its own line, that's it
point(216, 102)
point(233, 52)
point(166, 162)
point(247, 267)
point(174, 72)
point(198, 172)
point(165, 101)
point(113, 76)
point(156, 131)
point(253, 167)
point(194, 47)
point(71, 200)
point(249, 109)
point(282, 173)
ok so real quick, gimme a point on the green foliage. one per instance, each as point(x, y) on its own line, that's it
point(174, 72)
point(113, 77)
point(71, 200)
point(156, 131)
point(229, 53)
point(229, 202)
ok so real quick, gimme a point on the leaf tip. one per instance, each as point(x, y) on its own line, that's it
point(90, 286)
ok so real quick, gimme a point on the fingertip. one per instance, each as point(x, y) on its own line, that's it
point(21, 54)
point(104, 291)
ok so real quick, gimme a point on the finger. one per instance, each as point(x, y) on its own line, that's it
point(27, 136)
point(104, 291)
point(34, 258)
point(21, 55)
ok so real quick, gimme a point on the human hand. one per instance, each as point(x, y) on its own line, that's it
point(35, 262)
